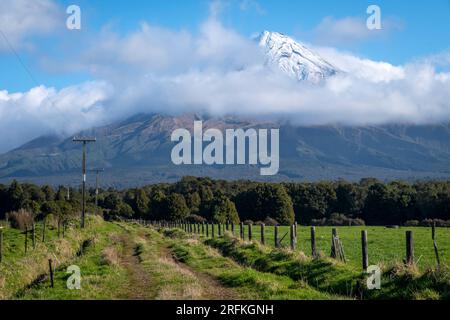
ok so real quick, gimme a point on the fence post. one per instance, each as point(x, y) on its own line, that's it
point(203, 228)
point(219, 230)
point(207, 229)
point(33, 236)
point(242, 231)
point(228, 225)
point(43, 229)
point(26, 240)
point(250, 232)
point(212, 230)
point(365, 252)
point(293, 239)
point(50, 266)
point(409, 248)
point(436, 250)
point(263, 233)
point(277, 244)
point(333, 243)
point(313, 242)
point(1, 244)
point(295, 226)
point(232, 228)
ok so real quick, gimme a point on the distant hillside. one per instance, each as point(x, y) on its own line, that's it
point(137, 151)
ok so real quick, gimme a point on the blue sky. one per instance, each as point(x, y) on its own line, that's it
point(422, 29)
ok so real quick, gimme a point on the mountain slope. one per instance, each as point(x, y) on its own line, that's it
point(295, 59)
point(137, 151)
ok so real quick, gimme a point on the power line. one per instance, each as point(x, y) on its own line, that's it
point(19, 58)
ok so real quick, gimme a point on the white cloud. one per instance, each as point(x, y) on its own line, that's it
point(216, 70)
point(375, 71)
point(252, 5)
point(21, 19)
point(348, 30)
point(42, 110)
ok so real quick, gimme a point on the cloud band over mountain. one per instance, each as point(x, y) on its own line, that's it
point(218, 71)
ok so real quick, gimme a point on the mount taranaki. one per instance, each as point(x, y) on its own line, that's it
point(136, 151)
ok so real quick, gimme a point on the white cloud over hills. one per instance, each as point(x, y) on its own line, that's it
point(219, 71)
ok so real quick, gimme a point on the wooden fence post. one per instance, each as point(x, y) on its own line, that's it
point(1, 244)
point(295, 226)
point(228, 225)
point(242, 231)
point(250, 232)
point(263, 234)
point(436, 250)
point(203, 228)
point(232, 228)
point(207, 229)
point(26, 240)
point(409, 248)
point(293, 240)
point(313, 242)
point(43, 229)
point(365, 252)
point(219, 230)
point(50, 266)
point(276, 231)
point(212, 230)
point(333, 243)
point(33, 236)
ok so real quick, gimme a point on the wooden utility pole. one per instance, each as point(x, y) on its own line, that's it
point(97, 180)
point(85, 141)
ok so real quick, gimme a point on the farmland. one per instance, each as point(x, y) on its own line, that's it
point(386, 246)
point(128, 260)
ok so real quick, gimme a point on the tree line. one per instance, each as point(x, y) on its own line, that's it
point(369, 201)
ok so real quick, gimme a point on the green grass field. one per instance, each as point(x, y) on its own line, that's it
point(386, 246)
point(123, 260)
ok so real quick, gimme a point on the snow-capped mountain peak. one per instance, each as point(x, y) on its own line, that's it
point(295, 59)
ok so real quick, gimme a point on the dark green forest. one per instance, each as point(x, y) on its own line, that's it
point(369, 202)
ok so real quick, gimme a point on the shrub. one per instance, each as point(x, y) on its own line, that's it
point(438, 222)
point(270, 222)
point(412, 223)
point(338, 220)
point(21, 219)
point(193, 218)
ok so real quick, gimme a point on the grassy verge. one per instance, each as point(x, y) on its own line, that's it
point(248, 282)
point(326, 275)
point(102, 276)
